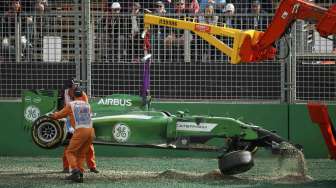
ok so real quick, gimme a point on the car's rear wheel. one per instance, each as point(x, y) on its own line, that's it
point(235, 162)
point(47, 133)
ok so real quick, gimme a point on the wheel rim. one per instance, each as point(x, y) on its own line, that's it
point(47, 132)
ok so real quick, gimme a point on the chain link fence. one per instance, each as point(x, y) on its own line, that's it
point(43, 47)
point(40, 45)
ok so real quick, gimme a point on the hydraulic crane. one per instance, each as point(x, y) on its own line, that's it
point(252, 45)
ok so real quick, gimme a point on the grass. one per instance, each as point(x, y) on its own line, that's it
point(165, 172)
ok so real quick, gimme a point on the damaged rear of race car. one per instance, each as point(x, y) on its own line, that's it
point(127, 120)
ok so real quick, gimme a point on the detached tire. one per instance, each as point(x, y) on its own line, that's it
point(235, 162)
point(47, 133)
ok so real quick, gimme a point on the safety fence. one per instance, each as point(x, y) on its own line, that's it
point(43, 48)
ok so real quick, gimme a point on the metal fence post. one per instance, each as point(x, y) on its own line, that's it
point(78, 42)
point(283, 75)
point(87, 46)
point(187, 39)
point(291, 72)
point(17, 38)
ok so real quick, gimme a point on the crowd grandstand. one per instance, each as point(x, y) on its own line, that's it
point(44, 42)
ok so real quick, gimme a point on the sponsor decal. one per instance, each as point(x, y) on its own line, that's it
point(37, 99)
point(31, 113)
point(192, 126)
point(167, 22)
point(203, 28)
point(104, 138)
point(28, 99)
point(121, 132)
point(115, 102)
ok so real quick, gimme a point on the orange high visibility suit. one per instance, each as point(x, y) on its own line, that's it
point(79, 113)
point(90, 156)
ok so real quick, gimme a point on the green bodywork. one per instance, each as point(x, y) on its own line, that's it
point(36, 103)
point(128, 120)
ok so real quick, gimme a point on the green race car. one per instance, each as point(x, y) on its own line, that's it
point(127, 120)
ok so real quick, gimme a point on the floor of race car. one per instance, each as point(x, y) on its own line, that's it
point(166, 172)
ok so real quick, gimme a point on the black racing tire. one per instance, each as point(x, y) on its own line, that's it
point(235, 162)
point(47, 133)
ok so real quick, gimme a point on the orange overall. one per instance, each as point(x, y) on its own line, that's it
point(79, 113)
point(90, 156)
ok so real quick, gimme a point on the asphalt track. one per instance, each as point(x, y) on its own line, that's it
point(168, 172)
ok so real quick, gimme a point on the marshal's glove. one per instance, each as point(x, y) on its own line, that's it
point(71, 130)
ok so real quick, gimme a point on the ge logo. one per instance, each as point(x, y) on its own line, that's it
point(121, 132)
point(31, 113)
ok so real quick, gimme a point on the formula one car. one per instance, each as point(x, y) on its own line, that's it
point(127, 120)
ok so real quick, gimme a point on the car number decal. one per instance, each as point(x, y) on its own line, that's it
point(121, 132)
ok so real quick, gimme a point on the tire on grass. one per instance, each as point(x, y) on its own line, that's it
point(47, 133)
point(235, 162)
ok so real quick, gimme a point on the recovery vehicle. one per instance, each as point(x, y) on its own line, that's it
point(252, 45)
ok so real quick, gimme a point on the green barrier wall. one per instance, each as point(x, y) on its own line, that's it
point(290, 121)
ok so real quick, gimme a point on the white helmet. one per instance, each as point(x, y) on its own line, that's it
point(230, 7)
point(5, 42)
point(115, 5)
point(23, 41)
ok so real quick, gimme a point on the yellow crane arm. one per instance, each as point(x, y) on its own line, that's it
point(207, 32)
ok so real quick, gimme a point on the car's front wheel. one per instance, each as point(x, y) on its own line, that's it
point(47, 133)
point(235, 162)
